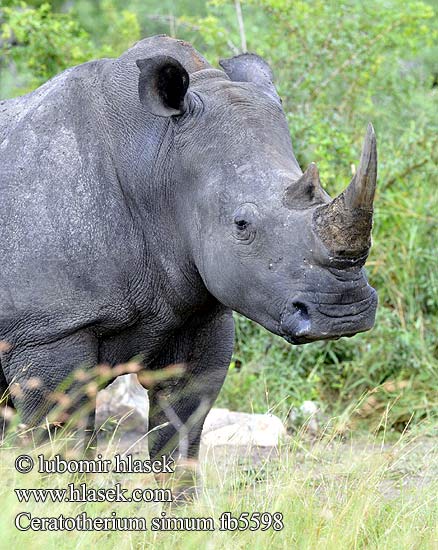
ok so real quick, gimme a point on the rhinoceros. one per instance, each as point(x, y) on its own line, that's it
point(146, 198)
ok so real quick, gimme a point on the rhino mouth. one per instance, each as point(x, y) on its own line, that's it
point(304, 320)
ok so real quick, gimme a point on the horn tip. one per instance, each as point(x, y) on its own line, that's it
point(312, 173)
point(370, 131)
point(370, 143)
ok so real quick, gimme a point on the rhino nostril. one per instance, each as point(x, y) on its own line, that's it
point(296, 320)
point(302, 310)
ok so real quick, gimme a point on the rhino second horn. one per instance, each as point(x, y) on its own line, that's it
point(310, 178)
point(344, 225)
point(307, 190)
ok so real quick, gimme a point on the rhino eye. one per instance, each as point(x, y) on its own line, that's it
point(244, 228)
point(241, 224)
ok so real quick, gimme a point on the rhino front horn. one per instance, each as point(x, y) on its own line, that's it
point(360, 192)
point(344, 225)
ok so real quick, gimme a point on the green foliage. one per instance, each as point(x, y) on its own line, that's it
point(337, 66)
point(42, 43)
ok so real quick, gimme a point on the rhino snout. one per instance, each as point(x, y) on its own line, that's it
point(304, 320)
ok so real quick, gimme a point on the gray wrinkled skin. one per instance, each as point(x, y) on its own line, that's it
point(126, 233)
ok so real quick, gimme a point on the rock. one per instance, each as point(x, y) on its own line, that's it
point(123, 410)
point(307, 417)
point(309, 408)
point(234, 435)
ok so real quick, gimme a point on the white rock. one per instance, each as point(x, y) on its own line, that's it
point(309, 408)
point(226, 433)
point(307, 415)
point(126, 400)
point(230, 437)
point(223, 427)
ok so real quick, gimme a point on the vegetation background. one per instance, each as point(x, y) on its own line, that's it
point(338, 64)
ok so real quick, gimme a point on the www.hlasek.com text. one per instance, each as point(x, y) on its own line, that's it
point(83, 493)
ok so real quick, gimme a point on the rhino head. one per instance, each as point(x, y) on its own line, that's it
point(264, 237)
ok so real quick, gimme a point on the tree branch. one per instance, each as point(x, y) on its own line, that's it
point(241, 25)
point(408, 170)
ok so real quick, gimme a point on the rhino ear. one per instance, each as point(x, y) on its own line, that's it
point(249, 67)
point(162, 85)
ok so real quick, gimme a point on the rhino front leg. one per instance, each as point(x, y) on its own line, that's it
point(42, 382)
point(180, 405)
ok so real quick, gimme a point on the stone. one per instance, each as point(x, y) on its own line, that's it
point(230, 436)
point(123, 407)
point(305, 417)
point(123, 410)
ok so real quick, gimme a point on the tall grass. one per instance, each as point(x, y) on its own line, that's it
point(334, 493)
